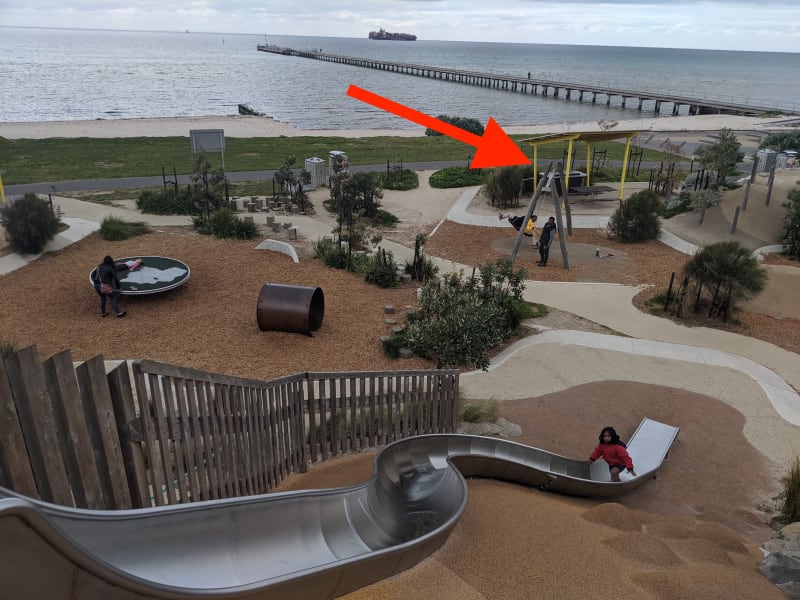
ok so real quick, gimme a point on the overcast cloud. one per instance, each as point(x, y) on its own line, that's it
point(765, 25)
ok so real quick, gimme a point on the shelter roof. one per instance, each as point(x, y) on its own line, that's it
point(590, 137)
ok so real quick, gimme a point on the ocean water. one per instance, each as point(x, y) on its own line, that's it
point(62, 74)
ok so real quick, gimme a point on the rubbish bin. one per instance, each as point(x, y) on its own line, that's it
point(292, 308)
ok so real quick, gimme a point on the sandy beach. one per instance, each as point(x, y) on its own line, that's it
point(253, 126)
point(693, 533)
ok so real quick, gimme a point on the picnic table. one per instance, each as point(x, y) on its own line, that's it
point(590, 190)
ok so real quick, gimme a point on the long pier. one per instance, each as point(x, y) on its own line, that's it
point(554, 89)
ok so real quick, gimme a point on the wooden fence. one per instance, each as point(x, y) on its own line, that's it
point(148, 433)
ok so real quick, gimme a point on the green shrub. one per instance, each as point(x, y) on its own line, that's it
point(7, 348)
point(786, 140)
point(485, 412)
point(381, 269)
point(676, 205)
point(29, 223)
point(789, 498)
point(336, 256)
point(461, 319)
point(707, 197)
point(391, 344)
point(224, 223)
point(427, 270)
point(453, 177)
point(400, 180)
point(465, 123)
point(115, 229)
point(166, 201)
point(637, 219)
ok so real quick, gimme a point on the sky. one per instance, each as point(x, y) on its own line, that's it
point(756, 25)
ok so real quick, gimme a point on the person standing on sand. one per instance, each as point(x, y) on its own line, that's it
point(614, 452)
point(545, 239)
point(106, 284)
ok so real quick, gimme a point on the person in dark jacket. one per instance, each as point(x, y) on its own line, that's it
point(614, 452)
point(107, 273)
point(545, 239)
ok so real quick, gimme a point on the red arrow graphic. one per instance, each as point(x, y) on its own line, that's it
point(493, 149)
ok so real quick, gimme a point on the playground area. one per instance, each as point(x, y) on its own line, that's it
point(697, 527)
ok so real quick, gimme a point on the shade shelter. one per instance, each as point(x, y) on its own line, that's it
point(588, 138)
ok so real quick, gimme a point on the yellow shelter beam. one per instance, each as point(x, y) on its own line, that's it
point(588, 138)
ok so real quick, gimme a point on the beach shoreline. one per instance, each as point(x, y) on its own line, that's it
point(244, 126)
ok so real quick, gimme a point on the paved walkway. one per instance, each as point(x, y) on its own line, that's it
point(775, 371)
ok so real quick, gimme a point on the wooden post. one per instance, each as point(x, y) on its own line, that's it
point(561, 241)
point(772, 165)
point(735, 219)
point(755, 168)
point(746, 195)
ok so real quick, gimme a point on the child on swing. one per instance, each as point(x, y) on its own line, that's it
point(516, 223)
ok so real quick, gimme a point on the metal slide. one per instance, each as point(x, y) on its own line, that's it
point(296, 545)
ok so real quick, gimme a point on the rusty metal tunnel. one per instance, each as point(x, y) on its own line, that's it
point(292, 308)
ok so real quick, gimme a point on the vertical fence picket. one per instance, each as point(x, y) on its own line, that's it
point(147, 415)
point(76, 442)
point(18, 473)
point(257, 441)
point(205, 395)
point(322, 436)
point(299, 425)
point(385, 418)
point(199, 448)
point(311, 400)
point(131, 434)
point(38, 424)
point(344, 398)
point(97, 405)
point(176, 457)
point(184, 426)
point(228, 454)
point(164, 442)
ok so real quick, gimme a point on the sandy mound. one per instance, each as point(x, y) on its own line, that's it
point(645, 549)
point(615, 516)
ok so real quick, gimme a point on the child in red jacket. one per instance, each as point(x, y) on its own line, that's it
point(614, 452)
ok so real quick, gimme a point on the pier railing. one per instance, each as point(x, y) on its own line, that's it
point(148, 433)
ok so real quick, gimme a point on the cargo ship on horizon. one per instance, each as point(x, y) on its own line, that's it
point(382, 34)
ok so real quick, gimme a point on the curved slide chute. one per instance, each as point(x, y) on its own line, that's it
point(294, 545)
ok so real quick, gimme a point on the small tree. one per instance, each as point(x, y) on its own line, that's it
point(208, 185)
point(29, 223)
point(729, 268)
point(785, 140)
point(722, 156)
point(637, 219)
point(293, 182)
point(791, 224)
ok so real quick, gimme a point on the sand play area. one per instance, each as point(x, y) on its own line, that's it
point(693, 533)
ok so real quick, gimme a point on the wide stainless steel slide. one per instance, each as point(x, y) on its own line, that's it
point(299, 545)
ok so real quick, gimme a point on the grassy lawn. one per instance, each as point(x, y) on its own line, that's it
point(64, 159)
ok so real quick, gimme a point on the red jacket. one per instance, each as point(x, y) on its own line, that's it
point(613, 454)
